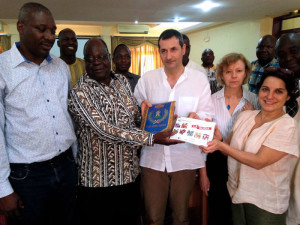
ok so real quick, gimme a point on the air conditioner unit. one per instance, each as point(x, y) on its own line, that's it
point(133, 29)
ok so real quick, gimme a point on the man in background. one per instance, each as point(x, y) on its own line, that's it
point(122, 61)
point(37, 168)
point(288, 53)
point(185, 59)
point(208, 58)
point(67, 42)
point(265, 52)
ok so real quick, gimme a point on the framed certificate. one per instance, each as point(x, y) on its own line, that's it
point(159, 117)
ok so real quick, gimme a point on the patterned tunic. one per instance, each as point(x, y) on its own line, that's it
point(108, 138)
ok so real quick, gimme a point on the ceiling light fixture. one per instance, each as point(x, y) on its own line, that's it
point(136, 22)
point(207, 5)
point(177, 19)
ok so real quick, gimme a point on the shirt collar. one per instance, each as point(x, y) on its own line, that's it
point(273, 61)
point(213, 67)
point(17, 45)
point(184, 74)
point(220, 94)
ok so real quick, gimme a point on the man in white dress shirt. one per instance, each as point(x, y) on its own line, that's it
point(168, 172)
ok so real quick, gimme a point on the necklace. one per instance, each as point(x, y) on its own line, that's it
point(228, 99)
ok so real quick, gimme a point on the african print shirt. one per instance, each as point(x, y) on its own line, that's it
point(106, 120)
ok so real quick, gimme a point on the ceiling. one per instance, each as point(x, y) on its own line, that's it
point(152, 11)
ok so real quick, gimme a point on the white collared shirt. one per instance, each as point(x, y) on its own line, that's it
point(192, 94)
point(195, 66)
point(223, 118)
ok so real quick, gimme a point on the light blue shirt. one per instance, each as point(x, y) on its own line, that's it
point(35, 124)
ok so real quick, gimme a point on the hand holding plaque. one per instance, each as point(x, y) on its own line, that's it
point(159, 117)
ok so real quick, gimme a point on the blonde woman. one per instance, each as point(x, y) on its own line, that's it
point(232, 72)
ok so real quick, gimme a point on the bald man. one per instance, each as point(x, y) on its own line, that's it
point(67, 42)
point(265, 52)
point(288, 52)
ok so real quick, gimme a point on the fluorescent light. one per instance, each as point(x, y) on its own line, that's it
point(136, 22)
point(207, 5)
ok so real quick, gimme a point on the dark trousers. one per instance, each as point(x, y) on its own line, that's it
point(249, 214)
point(47, 189)
point(219, 201)
point(109, 205)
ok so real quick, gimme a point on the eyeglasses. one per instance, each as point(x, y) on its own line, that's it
point(103, 58)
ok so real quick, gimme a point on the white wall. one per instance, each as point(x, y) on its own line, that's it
point(241, 37)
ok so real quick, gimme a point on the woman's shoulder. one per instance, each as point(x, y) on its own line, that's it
point(248, 113)
point(246, 117)
point(286, 119)
point(252, 98)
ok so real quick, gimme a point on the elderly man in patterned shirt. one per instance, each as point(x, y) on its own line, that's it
point(107, 116)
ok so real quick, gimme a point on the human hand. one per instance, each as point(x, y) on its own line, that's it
point(204, 181)
point(193, 115)
point(217, 134)
point(163, 138)
point(212, 146)
point(145, 104)
point(10, 204)
point(248, 106)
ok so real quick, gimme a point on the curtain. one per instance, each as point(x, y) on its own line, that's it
point(144, 58)
point(5, 43)
point(144, 52)
point(132, 41)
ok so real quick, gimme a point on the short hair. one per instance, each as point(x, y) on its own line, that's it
point(93, 39)
point(65, 31)
point(31, 7)
point(207, 50)
point(167, 34)
point(227, 60)
point(285, 37)
point(286, 75)
point(117, 48)
point(185, 37)
point(267, 37)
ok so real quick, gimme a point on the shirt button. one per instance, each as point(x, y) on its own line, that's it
point(59, 150)
point(48, 100)
point(53, 116)
point(56, 133)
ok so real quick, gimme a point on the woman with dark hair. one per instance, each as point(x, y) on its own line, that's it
point(232, 72)
point(262, 152)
